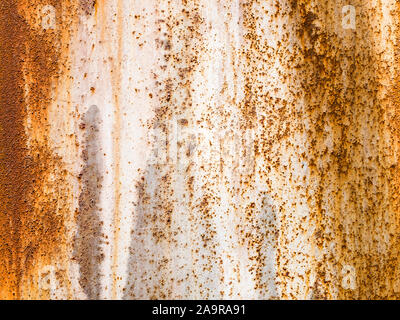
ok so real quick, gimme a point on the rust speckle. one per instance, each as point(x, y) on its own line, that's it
point(88, 6)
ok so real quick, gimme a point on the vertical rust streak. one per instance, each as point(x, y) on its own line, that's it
point(15, 165)
point(32, 192)
point(116, 87)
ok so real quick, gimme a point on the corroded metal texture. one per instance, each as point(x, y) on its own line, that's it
point(199, 149)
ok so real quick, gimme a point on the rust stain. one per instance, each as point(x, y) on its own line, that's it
point(116, 89)
point(346, 235)
point(16, 167)
point(32, 218)
point(334, 79)
point(318, 207)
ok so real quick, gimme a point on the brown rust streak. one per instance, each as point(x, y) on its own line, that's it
point(116, 89)
point(16, 167)
point(31, 217)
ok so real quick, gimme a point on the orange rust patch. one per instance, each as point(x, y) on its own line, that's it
point(31, 216)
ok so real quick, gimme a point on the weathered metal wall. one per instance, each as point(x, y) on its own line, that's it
point(199, 149)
